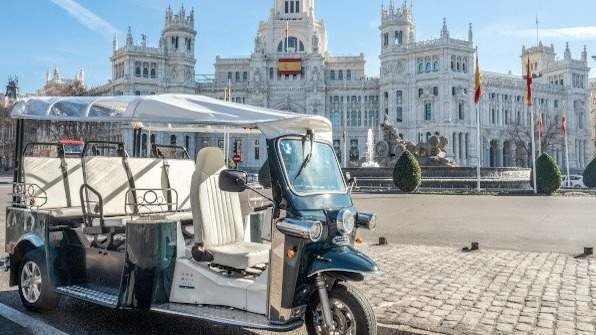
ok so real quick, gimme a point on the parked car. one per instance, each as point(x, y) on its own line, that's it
point(574, 181)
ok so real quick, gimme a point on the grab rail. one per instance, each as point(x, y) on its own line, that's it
point(149, 202)
point(28, 196)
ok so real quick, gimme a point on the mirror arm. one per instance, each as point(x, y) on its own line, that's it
point(259, 193)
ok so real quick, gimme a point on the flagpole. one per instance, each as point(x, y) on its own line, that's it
point(530, 110)
point(478, 147)
point(540, 126)
point(565, 137)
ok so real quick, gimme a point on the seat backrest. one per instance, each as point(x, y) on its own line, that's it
point(217, 215)
point(74, 169)
point(109, 177)
point(46, 173)
point(149, 174)
point(179, 173)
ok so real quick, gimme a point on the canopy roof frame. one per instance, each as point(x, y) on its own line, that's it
point(195, 112)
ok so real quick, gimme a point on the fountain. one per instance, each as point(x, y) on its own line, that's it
point(370, 151)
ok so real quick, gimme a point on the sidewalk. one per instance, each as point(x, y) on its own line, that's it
point(447, 291)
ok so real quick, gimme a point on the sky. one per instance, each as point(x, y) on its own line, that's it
point(73, 34)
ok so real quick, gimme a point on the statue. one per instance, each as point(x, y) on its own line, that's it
point(392, 146)
point(259, 44)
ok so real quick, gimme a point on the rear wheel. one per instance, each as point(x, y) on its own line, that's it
point(351, 311)
point(35, 289)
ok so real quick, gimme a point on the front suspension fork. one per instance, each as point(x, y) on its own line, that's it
point(321, 286)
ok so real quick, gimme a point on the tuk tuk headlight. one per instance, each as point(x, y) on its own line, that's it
point(316, 231)
point(345, 221)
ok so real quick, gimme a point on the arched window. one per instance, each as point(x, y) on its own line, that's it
point(420, 92)
point(428, 67)
point(464, 68)
point(173, 139)
point(340, 75)
point(145, 70)
point(436, 66)
point(294, 44)
point(460, 111)
point(332, 75)
point(348, 74)
point(436, 91)
point(420, 67)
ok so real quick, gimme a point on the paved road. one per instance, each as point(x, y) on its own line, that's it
point(550, 224)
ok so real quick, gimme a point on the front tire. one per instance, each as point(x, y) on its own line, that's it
point(352, 313)
point(35, 290)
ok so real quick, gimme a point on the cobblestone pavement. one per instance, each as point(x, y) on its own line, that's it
point(485, 292)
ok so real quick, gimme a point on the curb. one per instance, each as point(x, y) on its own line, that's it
point(35, 326)
point(385, 329)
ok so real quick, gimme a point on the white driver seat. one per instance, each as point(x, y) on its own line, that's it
point(217, 216)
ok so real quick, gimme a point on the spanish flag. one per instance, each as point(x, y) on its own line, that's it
point(477, 81)
point(529, 80)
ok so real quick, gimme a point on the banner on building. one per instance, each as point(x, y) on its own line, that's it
point(289, 66)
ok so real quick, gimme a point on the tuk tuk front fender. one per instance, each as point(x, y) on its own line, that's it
point(342, 260)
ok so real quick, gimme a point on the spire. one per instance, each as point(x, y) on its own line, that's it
point(144, 40)
point(48, 76)
point(585, 55)
point(567, 51)
point(445, 30)
point(115, 42)
point(80, 77)
point(470, 34)
point(129, 40)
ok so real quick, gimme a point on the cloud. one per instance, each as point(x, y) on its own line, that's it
point(87, 18)
point(572, 33)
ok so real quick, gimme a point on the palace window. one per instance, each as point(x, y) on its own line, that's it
point(436, 66)
point(460, 111)
point(173, 139)
point(428, 110)
point(244, 76)
point(340, 75)
point(153, 70)
point(428, 67)
point(348, 74)
point(421, 68)
point(295, 45)
point(145, 70)
point(399, 114)
point(332, 75)
point(436, 91)
point(420, 92)
point(385, 39)
point(138, 69)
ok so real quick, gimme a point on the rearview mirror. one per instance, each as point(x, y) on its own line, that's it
point(233, 181)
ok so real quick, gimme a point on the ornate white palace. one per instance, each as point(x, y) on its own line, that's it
point(424, 88)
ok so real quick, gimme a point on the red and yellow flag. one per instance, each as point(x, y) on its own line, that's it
point(477, 82)
point(564, 125)
point(529, 80)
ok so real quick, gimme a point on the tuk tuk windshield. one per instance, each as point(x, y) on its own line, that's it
point(311, 171)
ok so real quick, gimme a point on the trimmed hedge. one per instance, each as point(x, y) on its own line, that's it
point(265, 175)
point(407, 175)
point(548, 175)
point(590, 174)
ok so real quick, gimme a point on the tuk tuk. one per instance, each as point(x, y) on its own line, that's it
point(171, 235)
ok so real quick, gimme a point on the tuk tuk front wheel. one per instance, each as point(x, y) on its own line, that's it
point(34, 286)
point(351, 311)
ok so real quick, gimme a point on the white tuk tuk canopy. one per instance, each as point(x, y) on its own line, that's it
point(188, 113)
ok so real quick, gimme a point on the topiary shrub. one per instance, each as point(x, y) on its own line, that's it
point(265, 175)
point(590, 174)
point(548, 175)
point(407, 175)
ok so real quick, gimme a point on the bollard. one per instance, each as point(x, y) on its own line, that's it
point(383, 241)
point(588, 251)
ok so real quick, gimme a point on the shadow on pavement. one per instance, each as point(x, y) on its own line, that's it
point(77, 317)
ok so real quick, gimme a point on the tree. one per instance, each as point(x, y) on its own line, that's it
point(590, 174)
point(548, 175)
point(520, 135)
point(407, 175)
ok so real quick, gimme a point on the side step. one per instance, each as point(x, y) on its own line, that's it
point(105, 296)
point(225, 315)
